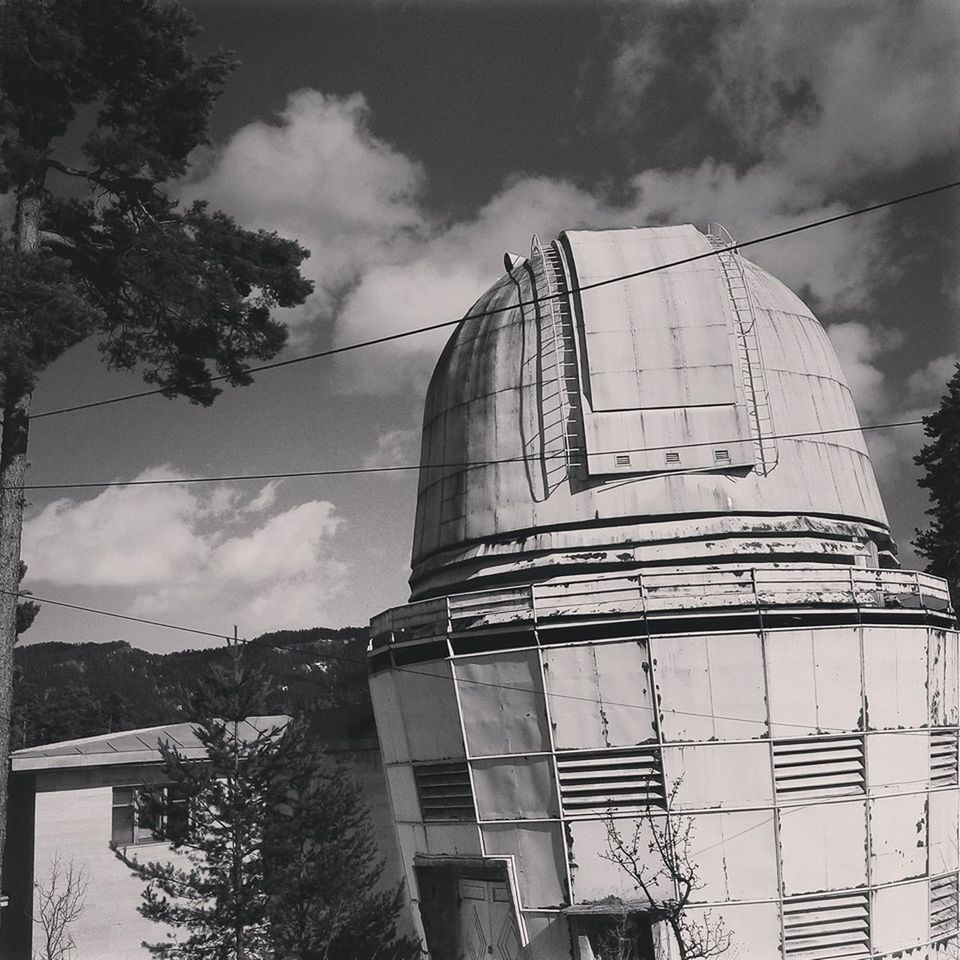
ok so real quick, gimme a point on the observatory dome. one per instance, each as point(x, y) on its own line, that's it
point(689, 415)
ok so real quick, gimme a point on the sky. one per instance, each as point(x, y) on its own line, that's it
point(410, 144)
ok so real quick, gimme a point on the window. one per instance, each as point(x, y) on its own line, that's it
point(138, 820)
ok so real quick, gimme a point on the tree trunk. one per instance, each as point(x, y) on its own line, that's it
point(13, 468)
point(13, 465)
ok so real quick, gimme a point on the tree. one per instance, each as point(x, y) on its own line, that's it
point(61, 900)
point(658, 854)
point(323, 873)
point(940, 542)
point(100, 249)
point(218, 899)
point(282, 862)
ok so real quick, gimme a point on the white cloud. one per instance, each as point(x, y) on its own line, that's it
point(318, 175)
point(384, 264)
point(395, 448)
point(164, 548)
point(834, 263)
point(925, 387)
point(858, 346)
point(873, 84)
point(264, 500)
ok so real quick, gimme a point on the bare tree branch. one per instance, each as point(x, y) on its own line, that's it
point(662, 847)
point(61, 900)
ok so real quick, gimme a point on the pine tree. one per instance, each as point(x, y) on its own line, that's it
point(100, 249)
point(216, 904)
point(326, 900)
point(940, 542)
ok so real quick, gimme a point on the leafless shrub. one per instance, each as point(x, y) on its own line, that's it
point(60, 900)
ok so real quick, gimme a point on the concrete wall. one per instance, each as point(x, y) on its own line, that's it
point(73, 820)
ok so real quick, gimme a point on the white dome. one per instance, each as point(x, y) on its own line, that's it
point(652, 421)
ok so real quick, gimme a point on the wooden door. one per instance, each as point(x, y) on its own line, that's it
point(487, 925)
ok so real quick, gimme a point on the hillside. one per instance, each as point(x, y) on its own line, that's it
point(67, 690)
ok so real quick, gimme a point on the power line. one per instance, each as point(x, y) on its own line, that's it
point(542, 692)
point(110, 613)
point(462, 465)
point(419, 673)
point(389, 338)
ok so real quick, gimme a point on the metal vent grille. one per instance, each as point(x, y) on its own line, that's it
point(673, 457)
point(598, 782)
point(943, 906)
point(837, 926)
point(721, 456)
point(622, 460)
point(444, 791)
point(818, 768)
point(943, 758)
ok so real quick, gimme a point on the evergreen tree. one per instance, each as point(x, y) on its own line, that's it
point(100, 249)
point(216, 905)
point(940, 542)
point(326, 901)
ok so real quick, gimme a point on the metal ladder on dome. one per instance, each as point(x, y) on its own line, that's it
point(559, 376)
point(748, 349)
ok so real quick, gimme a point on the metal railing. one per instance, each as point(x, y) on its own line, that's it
point(642, 594)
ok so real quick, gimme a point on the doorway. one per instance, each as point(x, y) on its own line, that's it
point(487, 925)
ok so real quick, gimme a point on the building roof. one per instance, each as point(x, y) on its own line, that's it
point(129, 746)
point(701, 405)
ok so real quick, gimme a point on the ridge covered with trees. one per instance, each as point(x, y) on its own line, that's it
point(68, 690)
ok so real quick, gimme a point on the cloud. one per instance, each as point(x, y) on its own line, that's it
point(834, 92)
point(925, 387)
point(858, 346)
point(164, 548)
point(320, 176)
point(832, 265)
point(814, 94)
point(395, 448)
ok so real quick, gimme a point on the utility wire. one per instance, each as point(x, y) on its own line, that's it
point(389, 338)
point(314, 655)
point(781, 811)
point(467, 464)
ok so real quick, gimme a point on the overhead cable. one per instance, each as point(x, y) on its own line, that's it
point(389, 338)
point(313, 655)
point(461, 465)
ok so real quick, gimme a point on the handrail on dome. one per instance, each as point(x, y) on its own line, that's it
point(651, 593)
point(748, 348)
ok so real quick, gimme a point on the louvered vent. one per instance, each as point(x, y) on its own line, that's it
point(598, 782)
point(943, 906)
point(444, 791)
point(818, 768)
point(837, 926)
point(943, 758)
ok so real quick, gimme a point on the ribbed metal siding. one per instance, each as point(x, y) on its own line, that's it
point(837, 926)
point(818, 768)
point(943, 906)
point(943, 758)
point(610, 781)
point(444, 791)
